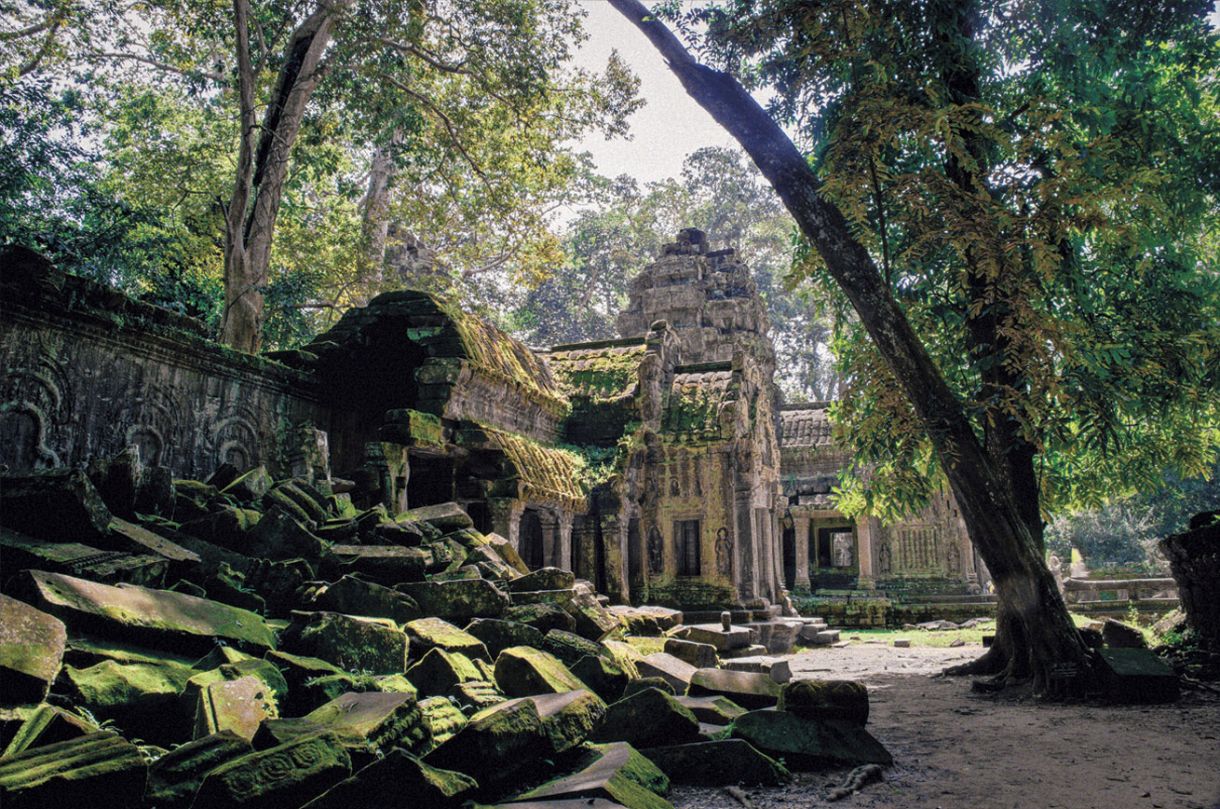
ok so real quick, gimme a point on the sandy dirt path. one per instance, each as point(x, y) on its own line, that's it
point(953, 748)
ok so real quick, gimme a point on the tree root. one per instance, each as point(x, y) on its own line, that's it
point(993, 661)
point(856, 780)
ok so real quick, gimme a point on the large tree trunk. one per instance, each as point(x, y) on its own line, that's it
point(259, 185)
point(994, 520)
point(375, 212)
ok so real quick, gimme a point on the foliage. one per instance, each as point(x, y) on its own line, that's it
point(1069, 201)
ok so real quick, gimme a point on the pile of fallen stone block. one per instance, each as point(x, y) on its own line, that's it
point(250, 642)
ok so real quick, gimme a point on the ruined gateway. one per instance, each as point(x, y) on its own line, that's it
point(661, 467)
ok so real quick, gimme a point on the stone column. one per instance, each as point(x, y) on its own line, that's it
point(800, 530)
point(506, 518)
point(864, 552)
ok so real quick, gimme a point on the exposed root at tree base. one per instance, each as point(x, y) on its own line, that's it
point(993, 661)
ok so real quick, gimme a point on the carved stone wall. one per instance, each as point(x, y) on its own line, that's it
point(87, 372)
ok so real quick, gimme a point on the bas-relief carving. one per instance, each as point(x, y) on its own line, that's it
point(884, 559)
point(724, 553)
point(34, 401)
point(656, 552)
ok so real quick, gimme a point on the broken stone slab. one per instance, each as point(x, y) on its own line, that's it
point(783, 637)
point(47, 724)
point(280, 535)
point(57, 505)
point(174, 778)
point(735, 637)
point(543, 617)
point(355, 596)
point(399, 780)
point(141, 698)
point(646, 683)
point(712, 710)
point(238, 706)
point(117, 479)
point(390, 564)
point(501, 744)
point(19, 552)
point(1136, 676)
point(430, 633)
point(297, 671)
point(624, 655)
point(678, 673)
point(441, 720)
point(522, 671)
point(477, 695)
point(544, 578)
point(722, 762)
point(615, 772)
point(826, 699)
point(498, 634)
point(699, 655)
point(810, 743)
point(1118, 635)
point(134, 538)
point(286, 775)
point(557, 598)
point(229, 527)
point(505, 550)
point(648, 718)
point(776, 668)
point(157, 618)
point(458, 601)
point(101, 769)
point(568, 646)
point(593, 620)
point(603, 675)
point(31, 651)
point(373, 721)
point(445, 517)
point(747, 689)
point(809, 634)
point(753, 650)
point(351, 642)
point(569, 718)
point(822, 637)
point(293, 496)
point(902, 643)
point(440, 671)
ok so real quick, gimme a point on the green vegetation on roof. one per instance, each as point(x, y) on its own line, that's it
point(695, 404)
point(544, 473)
point(599, 374)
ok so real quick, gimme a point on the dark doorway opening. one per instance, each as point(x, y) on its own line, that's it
point(529, 540)
point(789, 551)
point(431, 482)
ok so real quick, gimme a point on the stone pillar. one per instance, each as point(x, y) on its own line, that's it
point(864, 552)
point(506, 518)
point(563, 539)
point(800, 530)
point(744, 541)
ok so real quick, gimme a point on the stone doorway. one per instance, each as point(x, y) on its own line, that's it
point(530, 540)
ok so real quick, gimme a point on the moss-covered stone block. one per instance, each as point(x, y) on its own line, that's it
point(648, 718)
point(442, 720)
point(724, 762)
point(602, 675)
point(352, 643)
point(458, 601)
point(434, 633)
point(826, 699)
point(352, 595)
point(543, 617)
point(810, 743)
point(440, 671)
point(522, 672)
point(47, 724)
point(498, 634)
point(373, 721)
point(398, 781)
point(140, 698)
point(102, 769)
point(500, 745)
point(568, 646)
point(286, 775)
point(615, 772)
point(174, 778)
point(31, 651)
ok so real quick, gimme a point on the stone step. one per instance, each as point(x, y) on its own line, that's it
point(777, 668)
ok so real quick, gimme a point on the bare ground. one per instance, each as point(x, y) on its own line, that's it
point(954, 748)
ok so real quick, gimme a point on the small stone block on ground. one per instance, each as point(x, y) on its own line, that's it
point(747, 689)
point(776, 668)
point(1133, 676)
point(615, 772)
point(810, 743)
point(735, 637)
point(677, 673)
point(902, 643)
point(718, 763)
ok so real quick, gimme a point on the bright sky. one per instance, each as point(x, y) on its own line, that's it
point(668, 128)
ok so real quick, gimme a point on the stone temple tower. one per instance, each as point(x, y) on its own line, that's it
point(707, 297)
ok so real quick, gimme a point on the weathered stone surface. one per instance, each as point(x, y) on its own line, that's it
point(458, 601)
point(568, 718)
point(477, 695)
point(1194, 559)
point(568, 646)
point(133, 538)
point(388, 564)
point(286, 775)
point(441, 720)
point(297, 670)
point(522, 672)
point(373, 721)
point(678, 673)
point(810, 743)
point(31, 651)
point(47, 724)
point(398, 781)
point(543, 617)
point(59, 505)
point(505, 550)
point(433, 633)
point(1133, 676)
point(603, 675)
point(440, 671)
point(544, 578)
point(648, 718)
point(593, 621)
point(498, 746)
point(723, 640)
point(626, 656)
point(99, 770)
point(280, 535)
point(19, 552)
point(646, 683)
point(355, 596)
point(140, 698)
point(228, 526)
point(746, 689)
point(723, 762)
point(445, 517)
point(498, 634)
point(174, 778)
point(157, 618)
point(826, 699)
point(239, 706)
point(699, 655)
point(1118, 635)
point(712, 710)
point(615, 772)
point(350, 642)
point(776, 668)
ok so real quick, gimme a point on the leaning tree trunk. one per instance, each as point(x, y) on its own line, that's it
point(259, 184)
point(993, 519)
